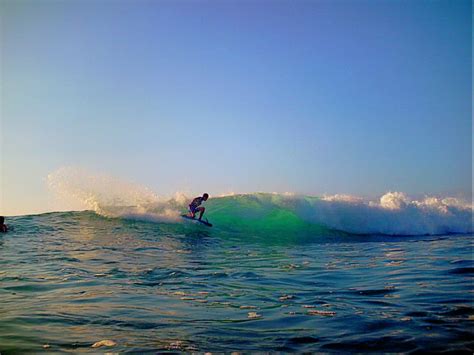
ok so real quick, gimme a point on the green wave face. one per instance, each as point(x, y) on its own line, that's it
point(261, 215)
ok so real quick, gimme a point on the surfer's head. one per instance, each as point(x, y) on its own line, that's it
point(205, 196)
point(2, 219)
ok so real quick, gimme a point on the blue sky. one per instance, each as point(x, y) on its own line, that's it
point(356, 97)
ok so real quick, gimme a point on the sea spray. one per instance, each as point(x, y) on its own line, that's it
point(112, 197)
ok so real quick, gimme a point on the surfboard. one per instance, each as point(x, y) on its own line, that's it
point(206, 223)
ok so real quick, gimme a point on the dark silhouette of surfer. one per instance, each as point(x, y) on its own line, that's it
point(3, 226)
point(195, 206)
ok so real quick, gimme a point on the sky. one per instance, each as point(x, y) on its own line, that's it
point(312, 97)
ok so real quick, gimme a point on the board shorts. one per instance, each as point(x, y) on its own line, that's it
point(193, 209)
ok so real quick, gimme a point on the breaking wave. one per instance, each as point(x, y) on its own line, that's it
point(393, 214)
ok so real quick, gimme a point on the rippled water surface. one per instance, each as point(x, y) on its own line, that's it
point(69, 280)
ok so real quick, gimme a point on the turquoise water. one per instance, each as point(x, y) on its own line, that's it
point(69, 280)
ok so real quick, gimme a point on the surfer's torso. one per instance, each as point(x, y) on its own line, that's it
point(195, 203)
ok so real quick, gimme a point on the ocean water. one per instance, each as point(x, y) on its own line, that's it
point(275, 273)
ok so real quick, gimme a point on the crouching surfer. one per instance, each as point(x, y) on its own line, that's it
point(195, 206)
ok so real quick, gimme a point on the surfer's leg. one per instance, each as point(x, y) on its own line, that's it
point(201, 209)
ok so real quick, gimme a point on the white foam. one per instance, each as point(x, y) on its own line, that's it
point(395, 213)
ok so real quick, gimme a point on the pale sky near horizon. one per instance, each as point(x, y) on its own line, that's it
point(353, 97)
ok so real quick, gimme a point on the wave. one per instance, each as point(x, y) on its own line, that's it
point(393, 214)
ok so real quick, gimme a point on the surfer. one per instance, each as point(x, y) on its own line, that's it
point(3, 226)
point(195, 206)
